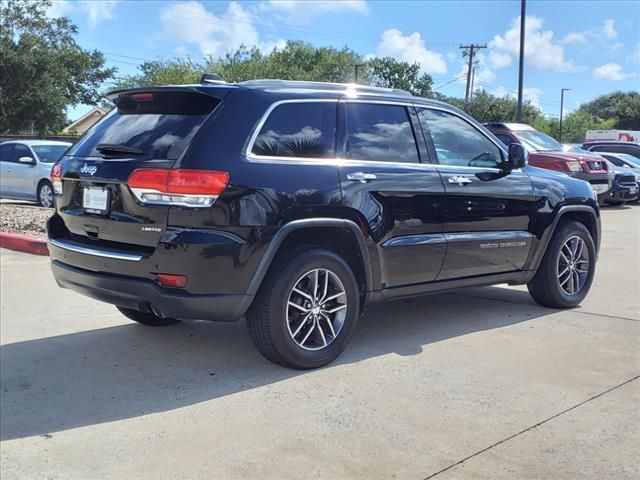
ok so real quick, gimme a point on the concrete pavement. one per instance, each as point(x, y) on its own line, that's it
point(481, 383)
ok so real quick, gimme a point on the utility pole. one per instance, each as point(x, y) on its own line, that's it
point(523, 11)
point(470, 51)
point(473, 77)
point(561, 107)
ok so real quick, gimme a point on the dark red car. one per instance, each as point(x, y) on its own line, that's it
point(545, 152)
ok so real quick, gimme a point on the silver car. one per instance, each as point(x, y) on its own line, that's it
point(25, 168)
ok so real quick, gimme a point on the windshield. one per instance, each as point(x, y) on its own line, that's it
point(49, 153)
point(538, 141)
point(630, 159)
point(158, 125)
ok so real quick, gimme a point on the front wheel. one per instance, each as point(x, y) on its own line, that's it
point(566, 272)
point(306, 309)
point(150, 319)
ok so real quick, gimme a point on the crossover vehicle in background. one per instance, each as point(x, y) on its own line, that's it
point(300, 204)
point(25, 169)
point(624, 186)
point(545, 152)
point(630, 148)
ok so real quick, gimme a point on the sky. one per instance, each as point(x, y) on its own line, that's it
point(591, 47)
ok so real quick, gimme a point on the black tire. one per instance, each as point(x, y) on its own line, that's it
point(267, 321)
point(545, 287)
point(150, 319)
point(45, 194)
point(616, 204)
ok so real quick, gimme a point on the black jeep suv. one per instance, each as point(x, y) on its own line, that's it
point(299, 204)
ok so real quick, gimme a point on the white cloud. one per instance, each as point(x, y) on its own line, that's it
point(532, 94)
point(574, 37)
point(634, 56)
point(541, 49)
point(96, 11)
point(610, 71)
point(410, 48)
point(191, 23)
point(302, 12)
point(608, 29)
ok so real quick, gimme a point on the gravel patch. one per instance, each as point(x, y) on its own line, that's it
point(25, 219)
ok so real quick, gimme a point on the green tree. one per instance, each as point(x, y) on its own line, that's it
point(622, 107)
point(42, 68)
point(390, 73)
point(485, 107)
point(574, 126)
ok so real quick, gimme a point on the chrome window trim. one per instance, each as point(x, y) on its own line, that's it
point(73, 247)
point(256, 132)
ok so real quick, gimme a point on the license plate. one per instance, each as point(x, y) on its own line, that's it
point(600, 188)
point(95, 200)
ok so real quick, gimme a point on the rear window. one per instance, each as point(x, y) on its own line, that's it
point(298, 130)
point(159, 124)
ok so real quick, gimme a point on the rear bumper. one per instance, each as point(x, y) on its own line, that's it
point(139, 294)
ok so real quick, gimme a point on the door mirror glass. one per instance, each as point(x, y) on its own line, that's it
point(27, 160)
point(518, 157)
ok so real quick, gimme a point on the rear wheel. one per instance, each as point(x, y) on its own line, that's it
point(150, 319)
point(566, 272)
point(45, 194)
point(306, 310)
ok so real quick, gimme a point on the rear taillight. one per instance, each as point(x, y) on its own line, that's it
point(170, 280)
point(178, 187)
point(56, 178)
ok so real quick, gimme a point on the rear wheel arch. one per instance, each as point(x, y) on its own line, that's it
point(338, 235)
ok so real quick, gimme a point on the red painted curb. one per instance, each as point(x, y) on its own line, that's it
point(23, 243)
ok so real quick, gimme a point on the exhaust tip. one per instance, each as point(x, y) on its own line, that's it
point(157, 312)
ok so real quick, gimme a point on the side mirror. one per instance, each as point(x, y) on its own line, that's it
point(27, 160)
point(518, 157)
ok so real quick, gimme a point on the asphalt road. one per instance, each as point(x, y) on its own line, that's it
point(481, 383)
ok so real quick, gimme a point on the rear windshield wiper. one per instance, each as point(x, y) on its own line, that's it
point(116, 148)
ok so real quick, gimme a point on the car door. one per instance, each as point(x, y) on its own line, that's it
point(20, 175)
point(386, 179)
point(487, 212)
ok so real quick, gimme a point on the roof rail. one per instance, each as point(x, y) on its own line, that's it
point(269, 83)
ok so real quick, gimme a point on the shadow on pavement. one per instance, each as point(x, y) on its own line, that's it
point(86, 378)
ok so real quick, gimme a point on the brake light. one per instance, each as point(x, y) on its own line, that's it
point(178, 187)
point(56, 178)
point(142, 97)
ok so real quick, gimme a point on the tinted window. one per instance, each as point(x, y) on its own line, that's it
point(160, 124)
point(49, 153)
point(615, 160)
point(306, 130)
point(379, 133)
point(619, 149)
point(20, 150)
point(506, 139)
point(6, 152)
point(457, 142)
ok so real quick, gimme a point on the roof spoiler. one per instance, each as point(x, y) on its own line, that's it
point(211, 78)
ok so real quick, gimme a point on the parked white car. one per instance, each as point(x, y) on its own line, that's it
point(25, 168)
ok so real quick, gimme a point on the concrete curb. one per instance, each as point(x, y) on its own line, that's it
point(23, 243)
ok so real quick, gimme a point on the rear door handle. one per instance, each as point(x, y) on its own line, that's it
point(361, 177)
point(459, 180)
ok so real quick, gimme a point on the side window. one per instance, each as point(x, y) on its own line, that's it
point(379, 132)
point(6, 152)
point(303, 130)
point(21, 151)
point(506, 139)
point(457, 142)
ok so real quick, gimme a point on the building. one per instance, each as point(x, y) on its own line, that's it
point(86, 121)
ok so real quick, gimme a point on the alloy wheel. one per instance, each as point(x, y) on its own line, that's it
point(573, 265)
point(316, 309)
point(46, 196)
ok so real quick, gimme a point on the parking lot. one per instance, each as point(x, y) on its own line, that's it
point(481, 383)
